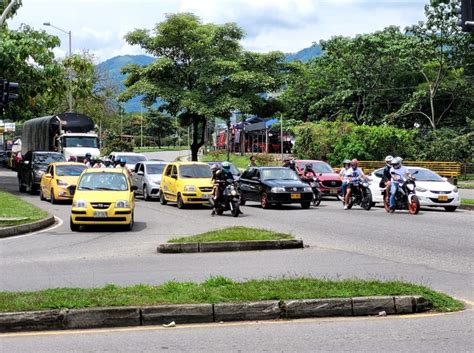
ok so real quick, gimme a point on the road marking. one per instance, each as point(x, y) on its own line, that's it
point(59, 222)
point(225, 324)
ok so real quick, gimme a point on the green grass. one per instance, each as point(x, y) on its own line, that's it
point(465, 186)
point(217, 290)
point(467, 202)
point(233, 234)
point(160, 149)
point(13, 206)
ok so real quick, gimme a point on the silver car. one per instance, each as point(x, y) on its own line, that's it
point(147, 177)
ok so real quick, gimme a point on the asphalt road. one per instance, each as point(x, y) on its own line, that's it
point(433, 248)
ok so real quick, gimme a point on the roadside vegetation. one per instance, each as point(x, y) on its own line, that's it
point(14, 207)
point(241, 162)
point(467, 201)
point(160, 149)
point(233, 234)
point(217, 290)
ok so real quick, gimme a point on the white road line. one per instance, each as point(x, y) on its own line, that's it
point(59, 222)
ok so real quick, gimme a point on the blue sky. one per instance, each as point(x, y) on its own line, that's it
point(287, 25)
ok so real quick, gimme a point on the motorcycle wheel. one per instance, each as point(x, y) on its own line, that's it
point(367, 200)
point(350, 204)
point(219, 211)
point(414, 205)
point(317, 199)
point(235, 209)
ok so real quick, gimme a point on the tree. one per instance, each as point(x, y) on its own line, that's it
point(158, 125)
point(200, 72)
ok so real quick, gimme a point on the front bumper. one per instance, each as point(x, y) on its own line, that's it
point(432, 199)
point(90, 216)
point(62, 193)
point(285, 197)
point(196, 198)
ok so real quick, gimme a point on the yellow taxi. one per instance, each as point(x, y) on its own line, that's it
point(59, 179)
point(186, 183)
point(103, 196)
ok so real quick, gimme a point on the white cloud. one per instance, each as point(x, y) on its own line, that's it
point(287, 25)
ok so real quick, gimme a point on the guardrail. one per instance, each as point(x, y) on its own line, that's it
point(445, 169)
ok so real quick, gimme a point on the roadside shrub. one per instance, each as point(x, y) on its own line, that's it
point(447, 145)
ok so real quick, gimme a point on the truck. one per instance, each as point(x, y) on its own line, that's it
point(71, 134)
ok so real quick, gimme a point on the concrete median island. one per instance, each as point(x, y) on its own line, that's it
point(215, 300)
point(231, 239)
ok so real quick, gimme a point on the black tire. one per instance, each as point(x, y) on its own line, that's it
point(180, 202)
point(219, 211)
point(372, 204)
point(414, 205)
point(162, 198)
point(21, 187)
point(74, 227)
point(53, 200)
point(305, 205)
point(129, 227)
point(236, 210)
point(32, 186)
point(350, 204)
point(145, 194)
point(367, 200)
point(317, 199)
point(42, 198)
point(450, 208)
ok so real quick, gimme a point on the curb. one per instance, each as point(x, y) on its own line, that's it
point(466, 207)
point(27, 228)
point(217, 246)
point(206, 313)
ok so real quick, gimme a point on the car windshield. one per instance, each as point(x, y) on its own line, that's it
point(322, 167)
point(155, 168)
point(195, 171)
point(131, 159)
point(279, 174)
point(69, 170)
point(48, 158)
point(80, 141)
point(425, 175)
point(103, 181)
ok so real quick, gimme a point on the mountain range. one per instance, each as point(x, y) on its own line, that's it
point(113, 66)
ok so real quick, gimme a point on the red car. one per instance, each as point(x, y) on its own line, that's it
point(330, 181)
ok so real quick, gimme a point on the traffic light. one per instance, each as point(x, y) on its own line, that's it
point(465, 15)
point(8, 92)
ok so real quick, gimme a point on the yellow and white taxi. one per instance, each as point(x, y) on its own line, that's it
point(103, 196)
point(59, 179)
point(186, 183)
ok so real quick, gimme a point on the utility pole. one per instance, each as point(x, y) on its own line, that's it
point(281, 136)
point(141, 127)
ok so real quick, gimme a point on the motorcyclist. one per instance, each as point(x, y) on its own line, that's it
point(98, 163)
point(122, 163)
point(72, 159)
point(292, 165)
point(386, 176)
point(355, 174)
point(344, 174)
point(108, 163)
point(397, 173)
point(88, 160)
point(308, 173)
point(222, 176)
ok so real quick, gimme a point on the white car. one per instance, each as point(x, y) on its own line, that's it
point(131, 158)
point(431, 189)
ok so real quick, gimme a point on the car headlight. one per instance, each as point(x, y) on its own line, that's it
point(307, 189)
point(62, 183)
point(156, 182)
point(122, 204)
point(79, 204)
point(420, 189)
point(277, 189)
point(455, 189)
point(188, 188)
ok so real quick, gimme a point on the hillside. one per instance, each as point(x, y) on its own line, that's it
point(112, 67)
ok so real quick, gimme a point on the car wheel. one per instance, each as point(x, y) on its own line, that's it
point(129, 226)
point(32, 186)
point(145, 194)
point(180, 202)
point(42, 198)
point(450, 208)
point(21, 187)
point(53, 200)
point(264, 201)
point(74, 227)
point(305, 204)
point(162, 198)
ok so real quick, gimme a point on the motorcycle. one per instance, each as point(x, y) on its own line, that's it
point(314, 183)
point(361, 195)
point(405, 198)
point(229, 200)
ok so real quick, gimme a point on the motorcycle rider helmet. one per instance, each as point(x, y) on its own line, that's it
point(226, 166)
point(396, 162)
point(292, 164)
point(388, 159)
point(346, 162)
point(308, 166)
point(88, 155)
point(107, 162)
point(355, 163)
point(122, 162)
point(214, 168)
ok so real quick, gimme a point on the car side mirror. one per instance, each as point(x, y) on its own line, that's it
point(72, 189)
point(47, 175)
point(133, 188)
point(255, 178)
point(174, 176)
point(445, 179)
point(140, 172)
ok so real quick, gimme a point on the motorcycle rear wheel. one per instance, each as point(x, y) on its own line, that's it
point(317, 199)
point(235, 209)
point(367, 200)
point(414, 205)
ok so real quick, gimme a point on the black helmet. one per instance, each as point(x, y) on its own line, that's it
point(88, 155)
point(122, 162)
point(309, 166)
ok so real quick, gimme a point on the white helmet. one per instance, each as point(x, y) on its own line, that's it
point(388, 159)
point(396, 162)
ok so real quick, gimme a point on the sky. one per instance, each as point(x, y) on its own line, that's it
point(99, 26)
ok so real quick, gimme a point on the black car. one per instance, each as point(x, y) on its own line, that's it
point(32, 168)
point(274, 185)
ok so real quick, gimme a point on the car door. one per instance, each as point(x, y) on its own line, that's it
point(244, 182)
point(255, 185)
point(167, 181)
point(46, 181)
point(137, 179)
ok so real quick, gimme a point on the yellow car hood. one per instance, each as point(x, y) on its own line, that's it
point(101, 195)
point(199, 182)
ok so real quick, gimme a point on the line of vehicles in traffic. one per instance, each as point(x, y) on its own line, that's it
point(106, 195)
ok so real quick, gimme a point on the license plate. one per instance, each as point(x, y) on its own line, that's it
point(100, 214)
point(443, 198)
point(333, 191)
point(296, 196)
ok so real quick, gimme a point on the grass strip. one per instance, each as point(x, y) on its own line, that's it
point(12, 206)
point(467, 202)
point(160, 149)
point(233, 234)
point(217, 290)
